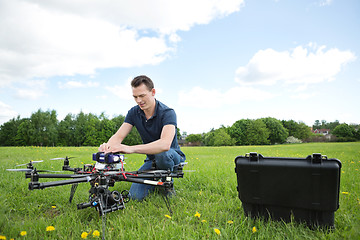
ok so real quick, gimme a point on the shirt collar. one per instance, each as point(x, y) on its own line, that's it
point(141, 112)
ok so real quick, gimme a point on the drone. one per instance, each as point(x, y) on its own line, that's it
point(104, 173)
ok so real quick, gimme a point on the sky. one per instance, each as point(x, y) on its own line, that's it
point(214, 62)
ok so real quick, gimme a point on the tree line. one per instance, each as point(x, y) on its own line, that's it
point(269, 130)
point(44, 129)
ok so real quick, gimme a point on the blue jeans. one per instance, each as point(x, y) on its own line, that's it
point(164, 161)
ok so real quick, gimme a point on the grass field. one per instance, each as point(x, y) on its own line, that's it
point(210, 191)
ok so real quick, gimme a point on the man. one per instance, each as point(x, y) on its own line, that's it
point(156, 124)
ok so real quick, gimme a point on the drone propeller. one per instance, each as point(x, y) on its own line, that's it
point(28, 170)
point(31, 162)
point(62, 158)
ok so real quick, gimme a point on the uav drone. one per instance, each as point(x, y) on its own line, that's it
point(108, 169)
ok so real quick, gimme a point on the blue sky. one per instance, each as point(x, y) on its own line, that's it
point(214, 62)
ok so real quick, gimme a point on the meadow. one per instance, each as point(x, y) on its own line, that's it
point(206, 205)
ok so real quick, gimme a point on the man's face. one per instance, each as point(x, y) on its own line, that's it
point(143, 97)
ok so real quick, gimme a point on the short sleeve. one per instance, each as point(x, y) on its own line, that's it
point(169, 117)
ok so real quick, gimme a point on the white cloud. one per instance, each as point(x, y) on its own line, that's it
point(78, 84)
point(41, 39)
point(325, 3)
point(6, 112)
point(122, 91)
point(301, 65)
point(31, 90)
point(204, 98)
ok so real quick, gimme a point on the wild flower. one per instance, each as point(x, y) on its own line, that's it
point(23, 233)
point(53, 206)
point(217, 231)
point(230, 222)
point(84, 235)
point(50, 228)
point(203, 221)
point(345, 193)
point(254, 230)
point(96, 233)
point(167, 216)
point(2, 237)
point(197, 214)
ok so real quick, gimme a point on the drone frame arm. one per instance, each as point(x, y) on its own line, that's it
point(38, 185)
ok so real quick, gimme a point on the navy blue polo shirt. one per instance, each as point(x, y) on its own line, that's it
point(150, 129)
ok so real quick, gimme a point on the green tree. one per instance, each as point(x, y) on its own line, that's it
point(44, 127)
point(194, 138)
point(24, 133)
point(278, 133)
point(79, 131)
point(66, 131)
point(91, 129)
point(297, 130)
point(344, 132)
point(257, 133)
point(8, 132)
point(238, 131)
point(222, 138)
point(317, 124)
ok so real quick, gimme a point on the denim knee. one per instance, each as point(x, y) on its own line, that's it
point(167, 160)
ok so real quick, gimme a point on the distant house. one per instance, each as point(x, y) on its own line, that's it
point(322, 131)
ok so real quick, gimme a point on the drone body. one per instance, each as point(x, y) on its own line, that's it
point(107, 170)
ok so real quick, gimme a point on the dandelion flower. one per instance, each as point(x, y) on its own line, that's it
point(50, 228)
point(204, 221)
point(217, 231)
point(96, 233)
point(2, 237)
point(168, 216)
point(254, 230)
point(53, 207)
point(346, 193)
point(23, 233)
point(230, 222)
point(84, 235)
point(197, 214)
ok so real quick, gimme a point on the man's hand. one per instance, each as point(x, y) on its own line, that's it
point(104, 147)
point(119, 148)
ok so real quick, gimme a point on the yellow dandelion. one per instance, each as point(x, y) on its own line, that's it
point(204, 221)
point(96, 233)
point(200, 193)
point(50, 228)
point(345, 193)
point(84, 235)
point(53, 207)
point(217, 231)
point(167, 216)
point(2, 237)
point(230, 222)
point(197, 214)
point(254, 230)
point(23, 233)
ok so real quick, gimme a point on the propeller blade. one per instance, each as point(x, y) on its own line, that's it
point(29, 170)
point(62, 158)
point(19, 170)
point(31, 162)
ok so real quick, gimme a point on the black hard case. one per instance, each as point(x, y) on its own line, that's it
point(306, 189)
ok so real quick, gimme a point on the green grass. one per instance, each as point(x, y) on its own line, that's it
point(210, 190)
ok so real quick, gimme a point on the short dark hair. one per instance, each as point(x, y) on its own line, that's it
point(142, 79)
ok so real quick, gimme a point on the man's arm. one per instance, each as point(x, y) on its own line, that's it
point(158, 146)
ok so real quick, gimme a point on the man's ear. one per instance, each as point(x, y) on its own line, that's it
point(153, 92)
